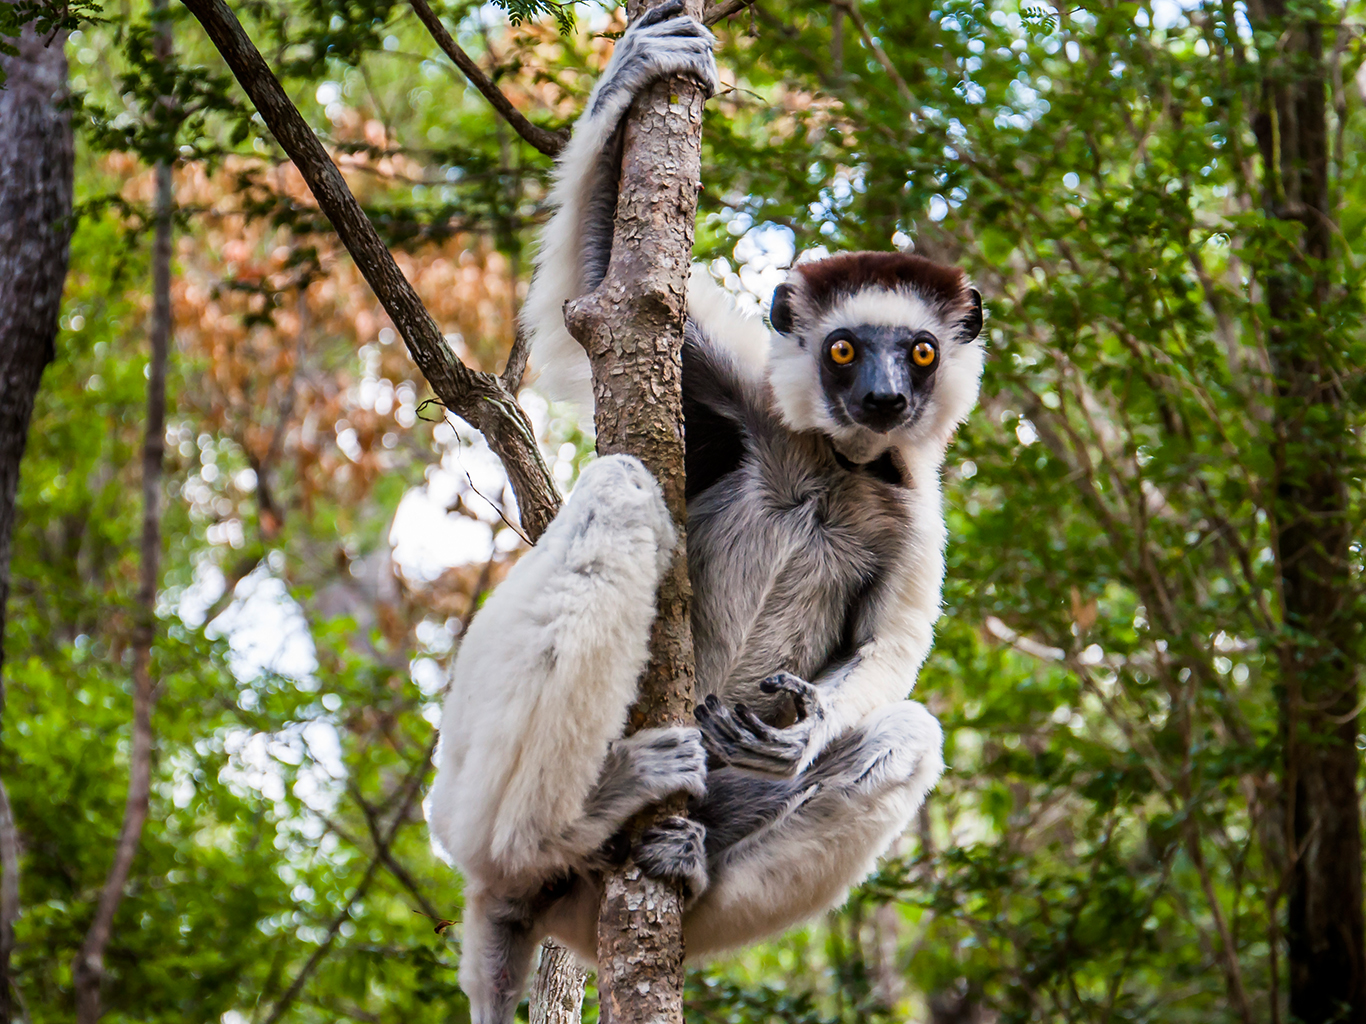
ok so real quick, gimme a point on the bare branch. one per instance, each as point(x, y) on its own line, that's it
point(632, 329)
point(411, 786)
point(88, 968)
point(515, 368)
point(382, 851)
point(719, 11)
point(557, 992)
point(878, 51)
point(548, 142)
point(478, 398)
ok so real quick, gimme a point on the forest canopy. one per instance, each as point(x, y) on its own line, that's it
point(1153, 606)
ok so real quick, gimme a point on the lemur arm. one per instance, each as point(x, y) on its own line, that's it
point(577, 242)
point(894, 634)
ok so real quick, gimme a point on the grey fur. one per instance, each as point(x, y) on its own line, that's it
point(815, 551)
point(675, 849)
point(640, 769)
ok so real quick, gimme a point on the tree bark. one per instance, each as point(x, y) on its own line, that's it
point(1319, 652)
point(36, 167)
point(478, 398)
point(88, 969)
point(557, 992)
point(632, 330)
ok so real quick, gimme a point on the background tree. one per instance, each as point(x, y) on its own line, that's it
point(35, 212)
point(1117, 663)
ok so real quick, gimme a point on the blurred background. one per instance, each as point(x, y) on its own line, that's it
point(1120, 661)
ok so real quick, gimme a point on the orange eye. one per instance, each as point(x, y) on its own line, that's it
point(923, 354)
point(841, 352)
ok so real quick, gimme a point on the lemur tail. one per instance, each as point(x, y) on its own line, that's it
point(496, 950)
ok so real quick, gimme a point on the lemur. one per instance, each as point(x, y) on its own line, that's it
point(815, 551)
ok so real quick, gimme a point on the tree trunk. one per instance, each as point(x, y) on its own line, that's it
point(88, 968)
point(557, 992)
point(36, 167)
point(632, 329)
point(1318, 655)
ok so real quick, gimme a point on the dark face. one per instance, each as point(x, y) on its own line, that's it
point(877, 377)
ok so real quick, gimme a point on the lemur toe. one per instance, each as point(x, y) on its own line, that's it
point(675, 850)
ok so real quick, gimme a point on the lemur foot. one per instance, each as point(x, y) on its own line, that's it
point(664, 42)
point(667, 760)
point(675, 850)
point(738, 737)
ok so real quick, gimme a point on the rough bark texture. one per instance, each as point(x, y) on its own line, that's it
point(632, 329)
point(35, 209)
point(557, 992)
point(1318, 657)
point(88, 969)
point(478, 398)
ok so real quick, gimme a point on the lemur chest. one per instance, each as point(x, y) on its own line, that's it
point(788, 558)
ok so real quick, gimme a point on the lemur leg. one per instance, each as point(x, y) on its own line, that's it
point(780, 850)
point(498, 940)
point(532, 769)
point(640, 770)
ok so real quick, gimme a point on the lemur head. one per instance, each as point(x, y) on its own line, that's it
point(875, 349)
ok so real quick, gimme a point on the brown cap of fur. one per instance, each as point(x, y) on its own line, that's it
point(830, 279)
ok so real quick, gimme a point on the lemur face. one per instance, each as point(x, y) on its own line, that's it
point(875, 350)
point(877, 376)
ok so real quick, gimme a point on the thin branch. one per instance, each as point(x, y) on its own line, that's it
point(372, 823)
point(548, 142)
point(515, 368)
point(878, 51)
point(724, 9)
point(410, 790)
point(88, 968)
point(478, 398)
point(557, 992)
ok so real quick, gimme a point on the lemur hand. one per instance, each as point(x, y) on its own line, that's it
point(664, 42)
point(738, 737)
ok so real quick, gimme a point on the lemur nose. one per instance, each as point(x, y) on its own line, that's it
point(884, 403)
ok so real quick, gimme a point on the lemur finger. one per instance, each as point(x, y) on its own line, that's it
point(755, 724)
point(804, 695)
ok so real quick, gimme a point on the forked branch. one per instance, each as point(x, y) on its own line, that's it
point(478, 398)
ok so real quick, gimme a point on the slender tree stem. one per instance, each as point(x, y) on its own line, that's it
point(548, 142)
point(88, 969)
point(632, 329)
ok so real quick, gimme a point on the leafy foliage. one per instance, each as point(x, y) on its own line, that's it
point(1109, 842)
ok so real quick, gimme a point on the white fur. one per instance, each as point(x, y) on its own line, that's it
point(716, 315)
point(558, 649)
point(794, 869)
point(560, 368)
point(795, 374)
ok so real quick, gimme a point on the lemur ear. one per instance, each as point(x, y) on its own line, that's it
point(780, 313)
point(971, 324)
